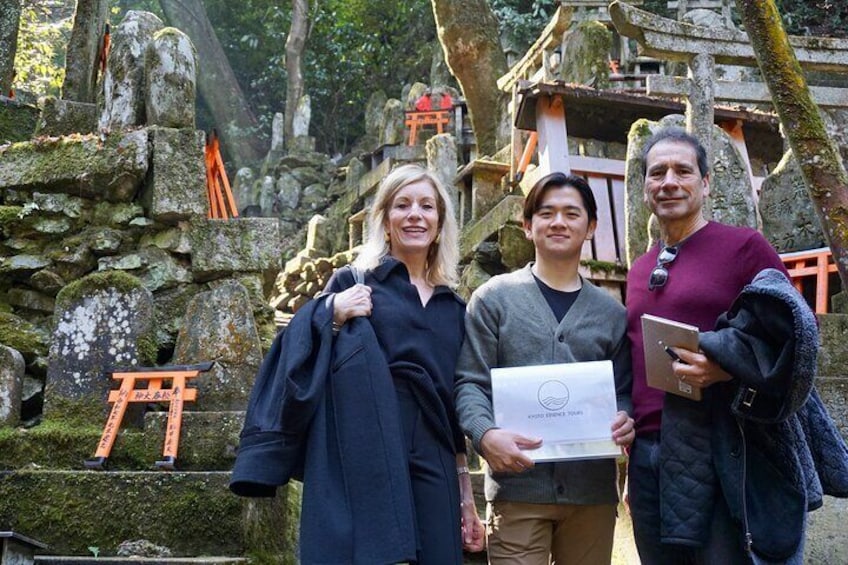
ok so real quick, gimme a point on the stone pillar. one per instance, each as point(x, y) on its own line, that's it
point(82, 61)
point(278, 132)
point(316, 235)
point(10, 16)
point(302, 116)
point(11, 385)
point(170, 71)
point(442, 160)
point(700, 104)
point(392, 126)
point(123, 83)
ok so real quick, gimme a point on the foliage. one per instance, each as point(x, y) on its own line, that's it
point(521, 21)
point(45, 27)
point(821, 18)
point(356, 48)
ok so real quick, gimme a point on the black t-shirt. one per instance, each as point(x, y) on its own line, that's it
point(559, 301)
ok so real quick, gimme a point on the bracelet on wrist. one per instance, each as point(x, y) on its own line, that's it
point(462, 470)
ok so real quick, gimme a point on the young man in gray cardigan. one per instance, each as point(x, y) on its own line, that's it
point(545, 313)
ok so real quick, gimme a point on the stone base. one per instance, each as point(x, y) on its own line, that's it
point(208, 442)
point(65, 560)
point(189, 513)
point(64, 117)
point(192, 514)
point(17, 120)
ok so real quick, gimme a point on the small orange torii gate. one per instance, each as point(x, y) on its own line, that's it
point(415, 120)
point(175, 395)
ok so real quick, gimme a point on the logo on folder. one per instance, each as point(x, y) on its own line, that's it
point(553, 395)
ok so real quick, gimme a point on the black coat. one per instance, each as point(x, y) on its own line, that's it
point(763, 440)
point(328, 407)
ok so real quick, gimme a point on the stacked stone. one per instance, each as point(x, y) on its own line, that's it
point(131, 200)
point(301, 281)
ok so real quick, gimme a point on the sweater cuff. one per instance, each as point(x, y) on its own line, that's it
point(477, 429)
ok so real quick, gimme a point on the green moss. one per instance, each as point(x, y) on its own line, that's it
point(9, 214)
point(192, 514)
point(81, 412)
point(148, 349)
point(17, 122)
point(118, 280)
point(19, 334)
point(56, 444)
point(604, 266)
point(640, 129)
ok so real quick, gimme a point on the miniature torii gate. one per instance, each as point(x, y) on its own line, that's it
point(176, 395)
point(702, 48)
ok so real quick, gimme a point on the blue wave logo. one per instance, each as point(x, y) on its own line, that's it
point(553, 395)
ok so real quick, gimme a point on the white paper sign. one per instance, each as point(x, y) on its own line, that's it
point(571, 406)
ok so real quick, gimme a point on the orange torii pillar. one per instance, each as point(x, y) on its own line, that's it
point(217, 185)
point(176, 395)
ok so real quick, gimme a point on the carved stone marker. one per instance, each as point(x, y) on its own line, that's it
point(102, 322)
point(170, 70)
point(123, 82)
point(226, 335)
point(789, 220)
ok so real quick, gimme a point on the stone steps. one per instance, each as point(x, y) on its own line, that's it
point(191, 513)
point(208, 442)
point(68, 560)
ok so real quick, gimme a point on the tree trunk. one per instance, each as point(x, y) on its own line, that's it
point(81, 62)
point(10, 19)
point(468, 32)
point(217, 85)
point(817, 154)
point(295, 46)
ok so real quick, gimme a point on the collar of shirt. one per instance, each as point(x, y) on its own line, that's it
point(389, 264)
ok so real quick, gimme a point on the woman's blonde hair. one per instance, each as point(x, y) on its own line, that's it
point(443, 255)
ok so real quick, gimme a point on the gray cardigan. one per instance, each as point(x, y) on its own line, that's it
point(508, 323)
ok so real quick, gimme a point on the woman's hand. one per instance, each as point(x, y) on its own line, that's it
point(473, 534)
point(355, 301)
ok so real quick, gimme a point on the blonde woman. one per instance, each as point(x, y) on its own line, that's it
point(409, 260)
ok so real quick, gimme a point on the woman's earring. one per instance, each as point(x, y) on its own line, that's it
point(438, 239)
point(386, 237)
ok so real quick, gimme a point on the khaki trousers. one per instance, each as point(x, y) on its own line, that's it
point(520, 533)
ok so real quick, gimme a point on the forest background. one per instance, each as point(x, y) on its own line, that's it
point(353, 48)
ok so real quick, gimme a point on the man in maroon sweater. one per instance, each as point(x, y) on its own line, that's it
point(691, 275)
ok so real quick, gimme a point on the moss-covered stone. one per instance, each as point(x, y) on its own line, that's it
point(118, 280)
point(190, 513)
point(587, 49)
point(604, 267)
point(103, 322)
point(207, 442)
point(17, 333)
point(82, 165)
point(271, 526)
point(65, 117)
point(17, 121)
